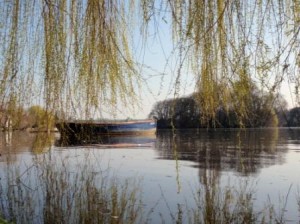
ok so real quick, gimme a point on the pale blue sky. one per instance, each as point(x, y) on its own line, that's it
point(159, 66)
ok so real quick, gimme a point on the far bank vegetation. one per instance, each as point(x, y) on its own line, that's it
point(34, 118)
point(261, 109)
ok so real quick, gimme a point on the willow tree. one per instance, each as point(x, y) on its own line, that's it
point(77, 56)
point(233, 45)
point(66, 55)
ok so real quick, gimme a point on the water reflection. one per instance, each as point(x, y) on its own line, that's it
point(243, 151)
point(74, 184)
point(17, 142)
point(109, 141)
point(58, 188)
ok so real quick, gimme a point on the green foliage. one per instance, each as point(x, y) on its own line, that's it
point(18, 118)
point(40, 118)
point(66, 54)
point(3, 221)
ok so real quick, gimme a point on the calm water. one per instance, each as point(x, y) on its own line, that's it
point(176, 174)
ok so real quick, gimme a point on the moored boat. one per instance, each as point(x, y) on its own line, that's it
point(95, 130)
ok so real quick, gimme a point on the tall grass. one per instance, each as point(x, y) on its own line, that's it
point(225, 205)
point(233, 204)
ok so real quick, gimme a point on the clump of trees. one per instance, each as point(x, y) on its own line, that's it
point(182, 112)
point(256, 108)
point(293, 118)
point(35, 117)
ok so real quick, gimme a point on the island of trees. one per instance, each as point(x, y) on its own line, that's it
point(261, 110)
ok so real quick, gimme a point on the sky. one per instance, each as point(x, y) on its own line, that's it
point(160, 72)
point(158, 66)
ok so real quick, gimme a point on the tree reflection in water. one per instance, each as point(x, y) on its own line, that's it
point(243, 151)
point(56, 188)
point(67, 185)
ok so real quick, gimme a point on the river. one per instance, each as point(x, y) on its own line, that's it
point(183, 176)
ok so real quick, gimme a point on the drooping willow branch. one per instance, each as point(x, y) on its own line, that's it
point(82, 53)
point(75, 57)
point(234, 47)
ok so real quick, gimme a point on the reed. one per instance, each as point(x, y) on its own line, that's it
point(227, 205)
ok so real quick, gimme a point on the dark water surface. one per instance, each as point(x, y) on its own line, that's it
point(185, 176)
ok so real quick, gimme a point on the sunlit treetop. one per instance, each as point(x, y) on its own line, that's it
point(71, 55)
